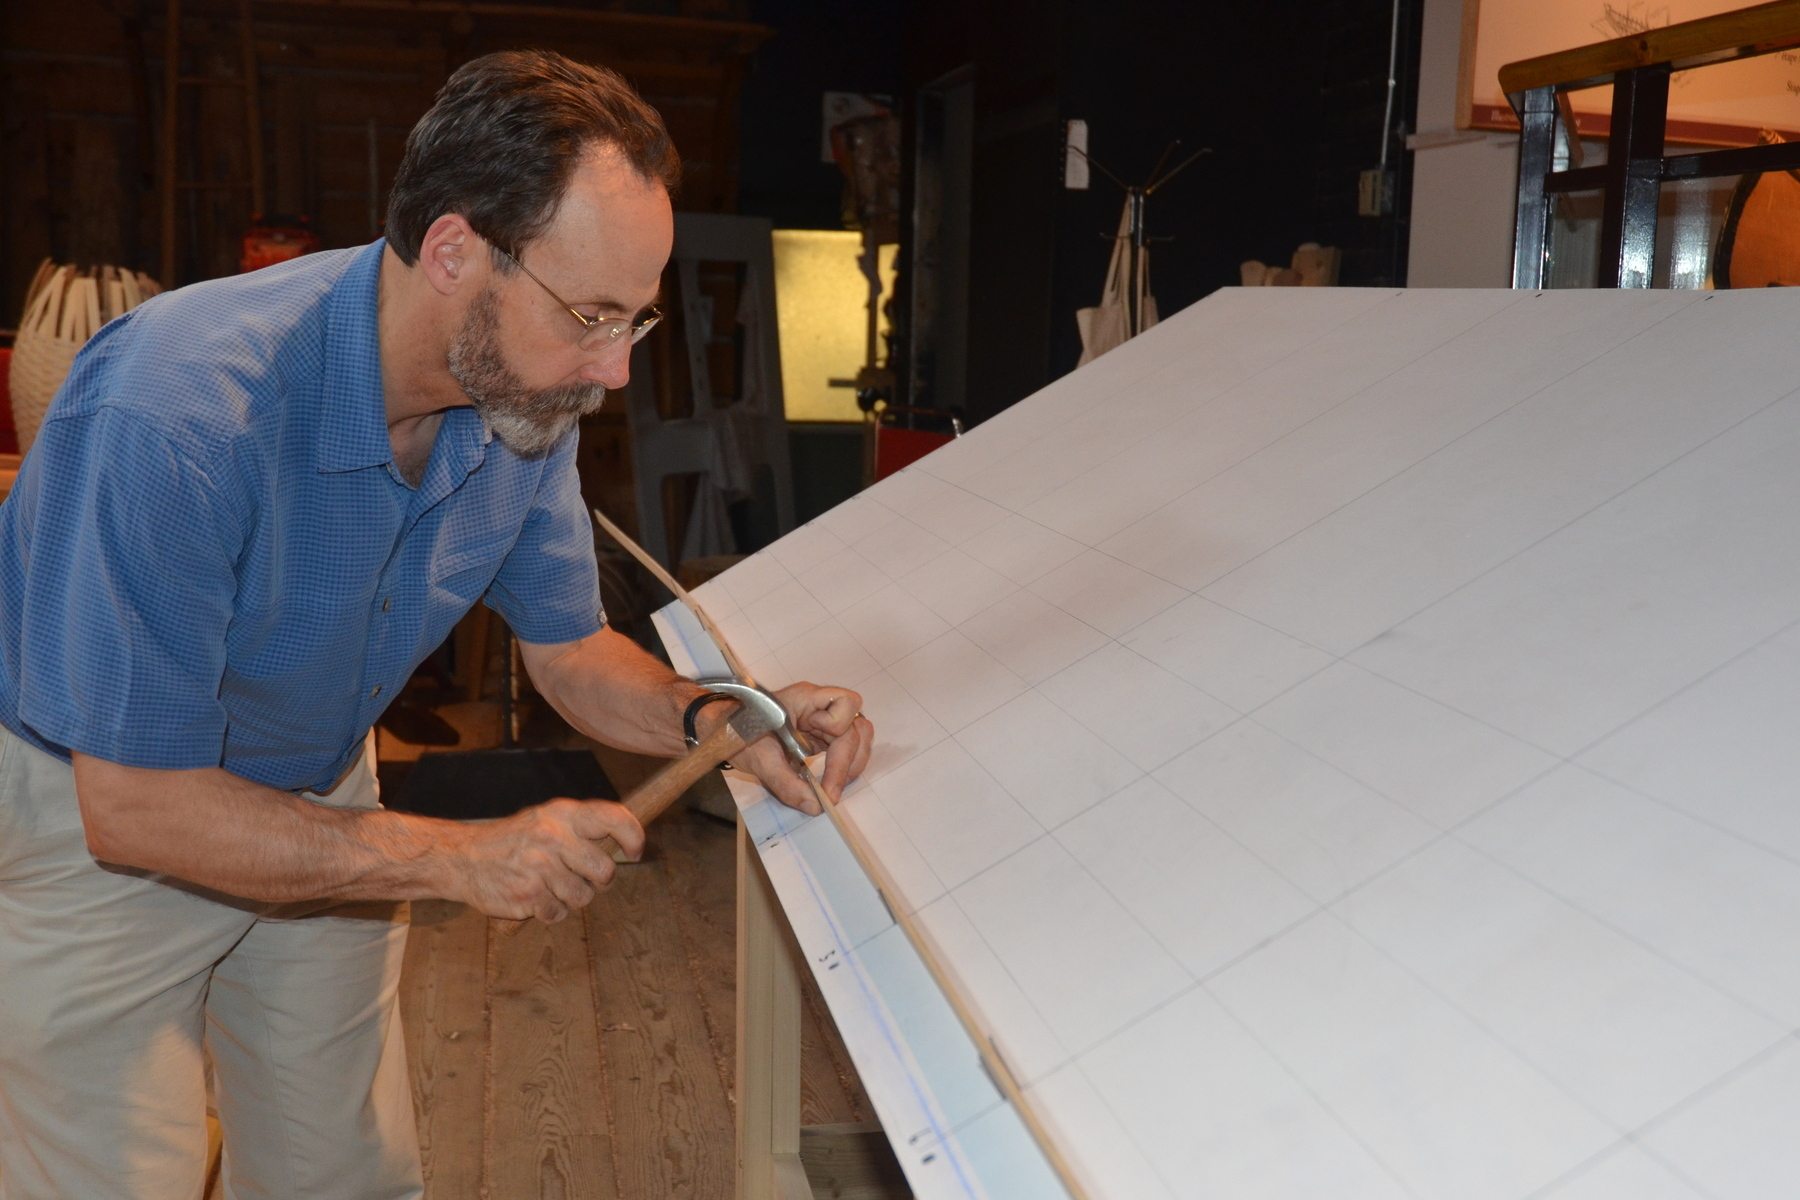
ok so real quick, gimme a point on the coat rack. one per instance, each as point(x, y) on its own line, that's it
point(1135, 196)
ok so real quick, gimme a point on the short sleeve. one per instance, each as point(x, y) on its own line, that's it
point(127, 595)
point(548, 589)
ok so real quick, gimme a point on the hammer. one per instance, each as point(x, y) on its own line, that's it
point(759, 713)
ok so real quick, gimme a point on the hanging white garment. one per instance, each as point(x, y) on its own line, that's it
point(1108, 323)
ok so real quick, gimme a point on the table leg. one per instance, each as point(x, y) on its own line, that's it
point(768, 1041)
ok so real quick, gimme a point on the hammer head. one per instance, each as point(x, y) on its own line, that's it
point(759, 712)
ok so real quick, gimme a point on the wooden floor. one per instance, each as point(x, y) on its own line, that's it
point(593, 1058)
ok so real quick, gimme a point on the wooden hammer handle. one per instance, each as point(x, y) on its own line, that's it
point(666, 786)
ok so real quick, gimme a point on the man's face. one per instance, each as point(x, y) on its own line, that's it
point(517, 355)
point(527, 420)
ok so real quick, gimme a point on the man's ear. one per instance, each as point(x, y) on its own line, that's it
point(448, 253)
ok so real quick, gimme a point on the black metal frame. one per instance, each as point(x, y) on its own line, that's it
point(1631, 178)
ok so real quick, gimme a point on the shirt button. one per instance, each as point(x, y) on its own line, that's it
point(375, 691)
point(387, 605)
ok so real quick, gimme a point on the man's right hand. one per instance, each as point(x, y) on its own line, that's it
point(212, 828)
point(545, 861)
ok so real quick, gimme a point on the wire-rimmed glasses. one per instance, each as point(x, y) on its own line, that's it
point(597, 332)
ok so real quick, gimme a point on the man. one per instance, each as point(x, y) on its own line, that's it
point(256, 505)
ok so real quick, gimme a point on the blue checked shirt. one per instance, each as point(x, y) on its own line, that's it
point(211, 559)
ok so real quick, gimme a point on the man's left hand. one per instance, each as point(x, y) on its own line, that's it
point(827, 716)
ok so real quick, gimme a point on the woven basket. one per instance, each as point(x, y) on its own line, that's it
point(64, 307)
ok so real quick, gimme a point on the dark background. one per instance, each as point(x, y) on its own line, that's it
point(1288, 94)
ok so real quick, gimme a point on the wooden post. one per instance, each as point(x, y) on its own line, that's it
point(166, 156)
point(768, 1041)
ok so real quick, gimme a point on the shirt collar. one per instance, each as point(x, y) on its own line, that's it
point(461, 447)
point(353, 433)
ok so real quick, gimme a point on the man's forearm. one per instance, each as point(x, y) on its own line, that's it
point(212, 828)
point(608, 687)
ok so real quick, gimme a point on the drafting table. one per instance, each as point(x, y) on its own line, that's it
point(1343, 741)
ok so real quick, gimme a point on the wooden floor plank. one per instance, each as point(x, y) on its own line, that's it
point(697, 852)
point(672, 1119)
point(443, 1007)
point(830, 1092)
point(548, 1131)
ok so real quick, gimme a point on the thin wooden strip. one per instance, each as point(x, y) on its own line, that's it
point(672, 1118)
point(1740, 34)
point(443, 1009)
point(947, 982)
point(550, 1136)
point(951, 987)
point(680, 593)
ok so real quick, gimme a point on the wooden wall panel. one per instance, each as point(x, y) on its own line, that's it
point(26, 197)
point(98, 189)
point(55, 85)
point(81, 97)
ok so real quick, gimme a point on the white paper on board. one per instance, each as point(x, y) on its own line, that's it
point(1344, 743)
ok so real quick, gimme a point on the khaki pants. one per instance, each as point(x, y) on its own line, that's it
point(113, 983)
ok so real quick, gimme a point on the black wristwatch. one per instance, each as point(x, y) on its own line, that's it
point(688, 733)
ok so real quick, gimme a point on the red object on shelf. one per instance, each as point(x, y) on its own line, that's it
point(896, 449)
point(277, 239)
point(9, 437)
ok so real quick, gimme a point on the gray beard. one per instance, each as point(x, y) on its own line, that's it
point(527, 422)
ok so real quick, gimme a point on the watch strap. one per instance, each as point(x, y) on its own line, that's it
point(688, 733)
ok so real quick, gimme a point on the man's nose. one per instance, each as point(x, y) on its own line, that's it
point(610, 365)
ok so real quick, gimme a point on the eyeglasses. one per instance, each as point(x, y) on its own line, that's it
point(597, 332)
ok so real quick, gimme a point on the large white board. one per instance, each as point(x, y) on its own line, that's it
point(1345, 742)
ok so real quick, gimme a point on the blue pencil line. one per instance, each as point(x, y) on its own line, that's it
point(879, 1013)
